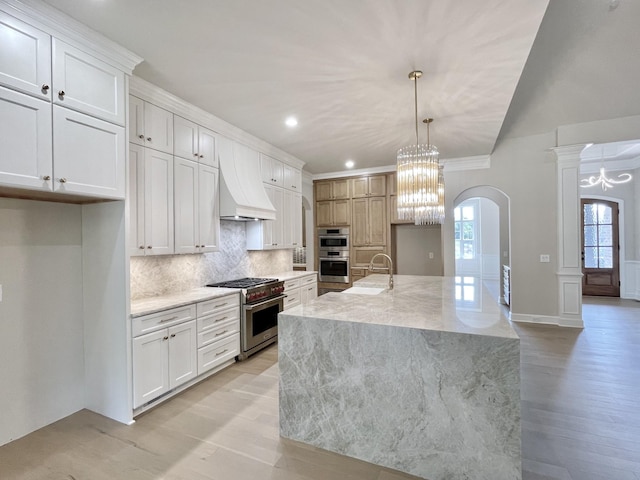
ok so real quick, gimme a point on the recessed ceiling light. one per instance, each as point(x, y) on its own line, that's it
point(349, 164)
point(291, 122)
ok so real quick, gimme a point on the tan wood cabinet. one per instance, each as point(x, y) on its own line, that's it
point(374, 186)
point(369, 221)
point(332, 190)
point(333, 212)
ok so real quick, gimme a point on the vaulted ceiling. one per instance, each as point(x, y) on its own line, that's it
point(341, 67)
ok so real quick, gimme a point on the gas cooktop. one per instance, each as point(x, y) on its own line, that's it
point(243, 282)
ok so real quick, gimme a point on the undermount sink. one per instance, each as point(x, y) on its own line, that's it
point(364, 290)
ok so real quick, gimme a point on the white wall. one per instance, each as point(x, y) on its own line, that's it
point(524, 170)
point(41, 323)
point(412, 244)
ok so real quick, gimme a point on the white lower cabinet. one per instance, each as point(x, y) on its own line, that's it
point(163, 360)
point(175, 346)
point(300, 290)
point(218, 332)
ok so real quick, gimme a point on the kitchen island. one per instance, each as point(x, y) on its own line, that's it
point(424, 378)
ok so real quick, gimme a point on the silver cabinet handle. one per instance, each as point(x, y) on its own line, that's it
point(165, 338)
point(62, 180)
point(173, 335)
point(169, 319)
point(221, 333)
point(200, 156)
point(223, 351)
point(46, 178)
point(141, 247)
point(149, 246)
point(141, 137)
point(148, 139)
point(220, 319)
point(45, 88)
point(61, 93)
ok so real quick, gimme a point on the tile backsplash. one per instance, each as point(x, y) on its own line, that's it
point(164, 274)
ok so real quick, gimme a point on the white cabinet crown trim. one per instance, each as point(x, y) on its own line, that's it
point(57, 24)
point(154, 94)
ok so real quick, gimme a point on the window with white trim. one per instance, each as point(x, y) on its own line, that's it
point(465, 221)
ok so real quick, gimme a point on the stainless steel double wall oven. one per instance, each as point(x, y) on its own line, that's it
point(333, 255)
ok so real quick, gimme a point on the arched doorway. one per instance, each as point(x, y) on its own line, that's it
point(482, 238)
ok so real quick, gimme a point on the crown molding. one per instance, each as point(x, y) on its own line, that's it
point(52, 21)
point(153, 94)
point(355, 173)
point(459, 164)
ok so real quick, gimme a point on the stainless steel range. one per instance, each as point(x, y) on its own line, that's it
point(261, 301)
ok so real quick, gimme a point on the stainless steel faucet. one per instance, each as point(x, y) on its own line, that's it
point(373, 269)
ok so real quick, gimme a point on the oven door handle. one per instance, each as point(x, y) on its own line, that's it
point(262, 304)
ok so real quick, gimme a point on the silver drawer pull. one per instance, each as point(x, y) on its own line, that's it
point(223, 351)
point(169, 319)
point(221, 333)
point(220, 319)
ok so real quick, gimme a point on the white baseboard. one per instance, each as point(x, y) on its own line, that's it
point(547, 320)
point(631, 280)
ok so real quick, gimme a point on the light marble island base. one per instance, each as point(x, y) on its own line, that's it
point(399, 380)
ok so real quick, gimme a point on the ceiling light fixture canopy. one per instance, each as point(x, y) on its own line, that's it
point(420, 178)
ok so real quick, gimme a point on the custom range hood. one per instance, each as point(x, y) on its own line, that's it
point(242, 194)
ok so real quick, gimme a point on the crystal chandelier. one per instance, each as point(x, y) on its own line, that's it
point(420, 180)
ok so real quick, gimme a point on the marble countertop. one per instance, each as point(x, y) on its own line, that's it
point(145, 306)
point(427, 303)
point(290, 275)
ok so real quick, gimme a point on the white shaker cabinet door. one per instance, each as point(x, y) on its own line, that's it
point(150, 366)
point(185, 138)
point(84, 83)
point(158, 202)
point(183, 355)
point(88, 154)
point(296, 219)
point(25, 57)
point(136, 200)
point(209, 209)
point(207, 147)
point(25, 141)
point(185, 201)
point(158, 128)
point(136, 120)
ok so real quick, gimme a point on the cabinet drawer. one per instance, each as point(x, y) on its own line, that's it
point(292, 298)
point(218, 304)
point(291, 284)
point(217, 318)
point(166, 318)
point(308, 280)
point(218, 353)
point(219, 332)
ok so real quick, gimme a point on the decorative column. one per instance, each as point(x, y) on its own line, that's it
point(569, 272)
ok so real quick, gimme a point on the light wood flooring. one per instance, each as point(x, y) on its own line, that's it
point(580, 420)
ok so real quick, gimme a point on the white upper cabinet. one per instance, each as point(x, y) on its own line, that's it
point(86, 84)
point(151, 201)
point(150, 126)
point(194, 142)
point(196, 210)
point(25, 141)
point(292, 178)
point(272, 170)
point(26, 66)
point(89, 155)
